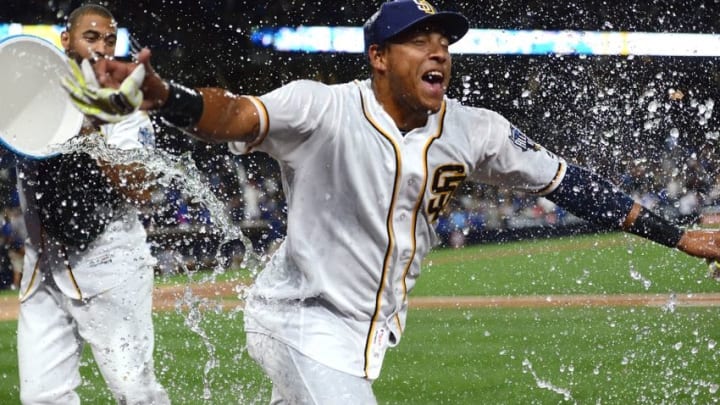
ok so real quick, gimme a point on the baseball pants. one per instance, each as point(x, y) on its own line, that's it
point(117, 324)
point(299, 380)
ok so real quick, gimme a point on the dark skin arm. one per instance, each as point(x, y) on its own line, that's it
point(703, 243)
point(226, 117)
point(129, 180)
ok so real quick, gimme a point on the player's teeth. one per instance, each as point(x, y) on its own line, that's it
point(433, 76)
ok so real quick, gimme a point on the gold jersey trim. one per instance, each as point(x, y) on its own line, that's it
point(264, 119)
point(390, 231)
point(555, 182)
point(35, 272)
point(36, 269)
point(419, 202)
point(72, 275)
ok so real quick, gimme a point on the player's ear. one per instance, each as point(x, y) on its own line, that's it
point(377, 56)
point(65, 40)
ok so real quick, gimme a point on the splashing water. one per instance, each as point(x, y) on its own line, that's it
point(565, 392)
point(637, 276)
point(671, 304)
point(163, 169)
point(192, 321)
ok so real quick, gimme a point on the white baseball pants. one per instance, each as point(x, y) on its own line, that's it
point(117, 324)
point(299, 380)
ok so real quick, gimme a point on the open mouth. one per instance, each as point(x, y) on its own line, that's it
point(433, 77)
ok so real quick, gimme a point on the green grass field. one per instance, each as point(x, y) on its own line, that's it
point(584, 355)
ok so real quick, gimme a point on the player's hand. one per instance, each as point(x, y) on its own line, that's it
point(112, 73)
point(704, 243)
point(106, 104)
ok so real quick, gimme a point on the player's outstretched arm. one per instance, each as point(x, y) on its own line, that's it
point(211, 114)
point(703, 243)
point(595, 199)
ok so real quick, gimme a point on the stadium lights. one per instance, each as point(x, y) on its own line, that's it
point(312, 39)
point(507, 42)
point(51, 33)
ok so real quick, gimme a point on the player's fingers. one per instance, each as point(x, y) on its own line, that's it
point(106, 104)
point(144, 56)
point(136, 77)
point(130, 87)
point(151, 85)
point(73, 89)
point(121, 104)
point(91, 110)
point(89, 73)
point(111, 73)
point(76, 72)
point(79, 99)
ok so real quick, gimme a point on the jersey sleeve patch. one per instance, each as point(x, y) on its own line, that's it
point(521, 141)
point(146, 136)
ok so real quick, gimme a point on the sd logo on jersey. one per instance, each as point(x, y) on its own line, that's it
point(446, 180)
point(522, 141)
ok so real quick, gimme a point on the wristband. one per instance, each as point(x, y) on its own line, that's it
point(656, 228)
point(183, 108)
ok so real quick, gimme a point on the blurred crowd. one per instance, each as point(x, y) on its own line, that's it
point(184, 234)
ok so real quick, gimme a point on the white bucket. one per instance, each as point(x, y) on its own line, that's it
point(35, 111)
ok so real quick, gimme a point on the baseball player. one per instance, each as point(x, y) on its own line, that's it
point(367, 168)
point(88, 272)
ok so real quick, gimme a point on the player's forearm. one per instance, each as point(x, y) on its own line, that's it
point(595, 199)
point(227, 117)
point(129, 180)
point(641, 221)
point(210, 114)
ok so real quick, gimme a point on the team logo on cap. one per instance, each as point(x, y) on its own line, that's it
point(425, 7)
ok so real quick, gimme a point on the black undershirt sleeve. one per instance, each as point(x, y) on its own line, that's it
point(595, 199)
point(591, 197)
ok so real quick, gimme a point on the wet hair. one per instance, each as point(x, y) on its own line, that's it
point(87, 9)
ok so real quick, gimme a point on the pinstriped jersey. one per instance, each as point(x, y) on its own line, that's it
point(362, 201)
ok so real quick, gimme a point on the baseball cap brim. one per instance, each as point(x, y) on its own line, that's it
point(454, 25)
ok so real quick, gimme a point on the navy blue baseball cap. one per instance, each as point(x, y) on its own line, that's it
point(396, 17)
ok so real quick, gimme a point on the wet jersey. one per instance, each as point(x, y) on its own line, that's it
point(362, 202)
point(119, 252)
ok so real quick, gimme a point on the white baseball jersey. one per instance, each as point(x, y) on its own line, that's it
point(101, 296)
point(119, 252)
point(362, 200)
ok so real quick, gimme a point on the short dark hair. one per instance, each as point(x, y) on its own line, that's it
point(87, 9)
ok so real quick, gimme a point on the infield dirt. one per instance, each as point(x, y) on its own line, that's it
point(225, 294)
